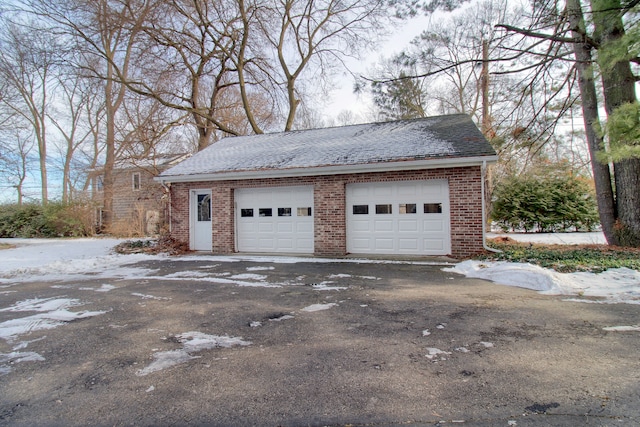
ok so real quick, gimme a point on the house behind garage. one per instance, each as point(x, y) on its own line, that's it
point(411, 187)
point(139, 205)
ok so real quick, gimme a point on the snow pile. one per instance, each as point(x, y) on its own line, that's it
point(513, 274)
point(192, 342)
point(60, 259)
point(618, 285)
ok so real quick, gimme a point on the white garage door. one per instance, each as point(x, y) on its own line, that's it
point(274, 219)
point(408, 217)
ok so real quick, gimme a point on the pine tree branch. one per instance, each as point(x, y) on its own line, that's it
point(550, 37)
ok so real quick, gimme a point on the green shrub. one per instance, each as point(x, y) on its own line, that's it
point(56, 219)
point(19, 220)
point(548, 201)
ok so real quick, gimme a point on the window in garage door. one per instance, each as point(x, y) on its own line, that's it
point(407, 217)
point(274, 219)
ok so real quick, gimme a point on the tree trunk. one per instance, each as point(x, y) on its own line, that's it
point(601, 172)
point(293, 104)
point(66, 174)
point(627, 176)
point(42, 151)
point(109, 162)
point(619, 88)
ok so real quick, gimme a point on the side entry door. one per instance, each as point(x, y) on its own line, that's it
point(200, 236)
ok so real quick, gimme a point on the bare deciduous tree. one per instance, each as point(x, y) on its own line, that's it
point(73, 100)
point(16, 145)
point(106, 33)
point(27, 58)
point(308, 34)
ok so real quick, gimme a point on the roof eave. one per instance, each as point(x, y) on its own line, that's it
point(333, 170)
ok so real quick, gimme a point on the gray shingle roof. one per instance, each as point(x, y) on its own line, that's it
point(450, 136)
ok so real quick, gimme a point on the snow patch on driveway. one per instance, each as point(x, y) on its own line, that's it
point(52, 313)
point(192, 342)
point(319, 307)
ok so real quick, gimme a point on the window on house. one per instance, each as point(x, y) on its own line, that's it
point(204, 207)
point(246, 213)
point(265, 212)
point(407, 208)
point(99, 183)
point(383, 209)
point(304, 211)
point(360, 209)
point(284, 211)
point(432, 208)
point(135, 181)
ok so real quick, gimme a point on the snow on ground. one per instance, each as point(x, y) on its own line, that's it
point(192, 342)
point(319, 307)
point(61, 259)
point(614, 285)
point(65, 259)
point(618, 285)
point(50, 313)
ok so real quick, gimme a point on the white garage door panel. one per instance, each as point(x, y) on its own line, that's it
point(287, 230)
point(434, 225)
point(408, 229)
point(407, 226)
point(285, 244)
point(265, 227)
point(360, 244)
point(408, 244)
point(304, 228)
point(285, 227)
point(433, 244)
point(382, 192)
point(384, 244)
point(360, 225)
point(304, 246)
point(383, 226)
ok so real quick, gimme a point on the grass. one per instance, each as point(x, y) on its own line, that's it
point(565, 258)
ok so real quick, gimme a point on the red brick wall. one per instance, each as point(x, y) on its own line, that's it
point(329, 199)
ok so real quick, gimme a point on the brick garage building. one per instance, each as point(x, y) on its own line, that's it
point(410, 187)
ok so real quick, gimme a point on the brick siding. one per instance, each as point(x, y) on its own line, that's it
point(330, 237)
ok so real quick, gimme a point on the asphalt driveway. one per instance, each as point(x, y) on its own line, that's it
point(196, 342)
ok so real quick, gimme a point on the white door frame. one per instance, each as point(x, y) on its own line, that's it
point(199, 238)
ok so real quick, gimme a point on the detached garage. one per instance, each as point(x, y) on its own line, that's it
point(409, 187)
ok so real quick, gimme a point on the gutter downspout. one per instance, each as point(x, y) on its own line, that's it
point(167, 189)
point(484, 234)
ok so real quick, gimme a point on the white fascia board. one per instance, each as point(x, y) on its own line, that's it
point(333, 170)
